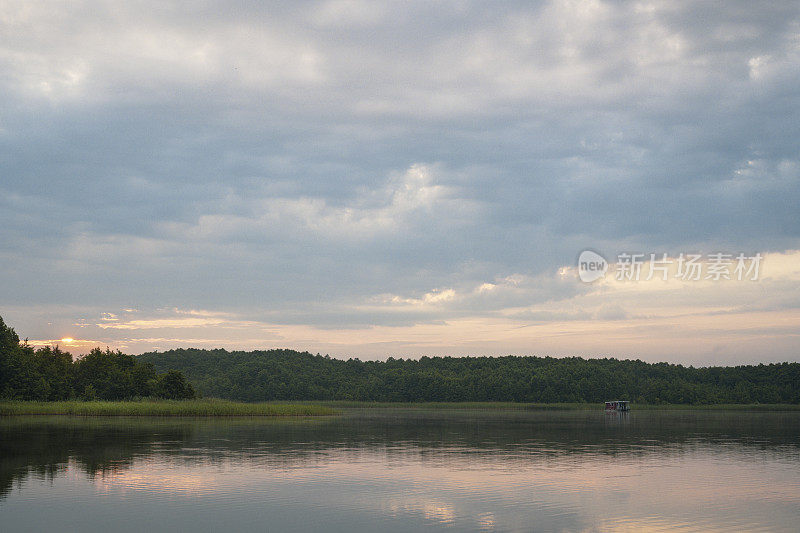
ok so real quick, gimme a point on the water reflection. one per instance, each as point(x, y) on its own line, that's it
point(401, 470)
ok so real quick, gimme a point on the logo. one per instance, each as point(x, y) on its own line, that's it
point(591, 266)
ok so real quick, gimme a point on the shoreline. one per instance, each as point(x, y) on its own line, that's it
point(163, 408)
point(527, 406)
point(226, 408)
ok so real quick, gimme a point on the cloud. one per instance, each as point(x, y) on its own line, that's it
point(694, 322)
point(357, 165)
point(403, 202)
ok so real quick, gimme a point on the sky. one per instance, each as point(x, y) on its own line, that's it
point(376, 179)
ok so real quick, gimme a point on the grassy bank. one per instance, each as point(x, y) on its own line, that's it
point(721, 407)
point(206, 407)
point(215, 407)
point(512, 406)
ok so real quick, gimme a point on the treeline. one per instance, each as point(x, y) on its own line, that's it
point(49, 374)
point(291, 375)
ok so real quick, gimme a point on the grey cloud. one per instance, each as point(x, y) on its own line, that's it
point(556, 126)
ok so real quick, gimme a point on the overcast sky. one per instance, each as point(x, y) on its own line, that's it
point(397, 179)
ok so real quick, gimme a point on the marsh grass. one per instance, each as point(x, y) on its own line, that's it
point(216, 407)
point(204, 407)
point(720, 407)
point(513, 406)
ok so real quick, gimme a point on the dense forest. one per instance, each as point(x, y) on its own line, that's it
point(52, 374)
point(49, 374)
point(291, 375)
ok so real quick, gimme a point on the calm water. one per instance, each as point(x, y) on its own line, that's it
point(393, 470)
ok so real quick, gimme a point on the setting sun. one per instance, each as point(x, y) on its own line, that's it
point(67, 340)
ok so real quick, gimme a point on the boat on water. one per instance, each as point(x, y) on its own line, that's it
point(618, 405)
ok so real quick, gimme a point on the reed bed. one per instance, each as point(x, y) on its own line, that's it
point(216, 407)
point(204, 407)
point(523, 406)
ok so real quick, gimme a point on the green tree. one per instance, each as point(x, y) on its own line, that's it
point(172, 385)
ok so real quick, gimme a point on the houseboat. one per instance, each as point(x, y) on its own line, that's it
point(618, 405)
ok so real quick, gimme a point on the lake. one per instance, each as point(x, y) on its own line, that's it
point(405, 470)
